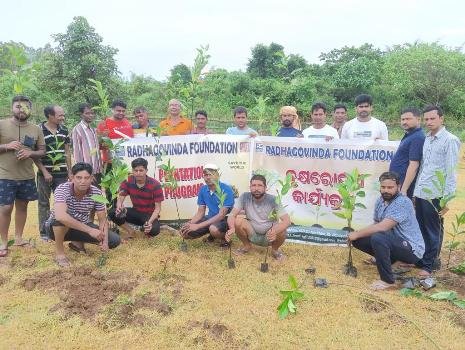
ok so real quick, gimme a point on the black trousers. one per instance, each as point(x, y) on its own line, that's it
point(135, 217)
point(387, 248)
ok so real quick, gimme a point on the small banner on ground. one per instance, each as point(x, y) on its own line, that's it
point(317, 168)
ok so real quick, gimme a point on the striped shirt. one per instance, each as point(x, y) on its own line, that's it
point(440, 152)
point(55, 157)
point(143, 198)
point(79, 209)
point(86, 146)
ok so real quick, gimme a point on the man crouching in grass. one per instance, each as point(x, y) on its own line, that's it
point(259, 227)
point(70, 218)
point(394, 235)
point(213, 222)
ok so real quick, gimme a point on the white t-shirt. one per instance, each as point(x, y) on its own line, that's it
point(326, 131)
point(370, 130)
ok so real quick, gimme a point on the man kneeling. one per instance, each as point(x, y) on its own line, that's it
point(70, 218)
point(146, 196)
point(395, 234)
point(259, 227)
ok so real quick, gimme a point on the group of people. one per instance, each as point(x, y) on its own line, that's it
point(407, 220)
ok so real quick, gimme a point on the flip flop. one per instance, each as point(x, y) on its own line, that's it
point(63, 262)
point(3, 253)
point(241, 251)
point(77, 249)
point(279, 256)
point(23, 244)
point(370, 261)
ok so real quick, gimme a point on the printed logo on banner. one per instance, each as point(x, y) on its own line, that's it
point(121, 151)
point(244, 146)
point(259, 147)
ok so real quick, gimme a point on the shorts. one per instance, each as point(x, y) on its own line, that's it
point(222, 226)
point(24, 190)
point(259, 239)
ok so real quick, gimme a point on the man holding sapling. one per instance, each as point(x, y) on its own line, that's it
point(260, 226)
point(70, 218)
point(440, 156)
point(218, 198)
point(146, 196)
point(406, 160)
point(394, 235)
point(20, 143)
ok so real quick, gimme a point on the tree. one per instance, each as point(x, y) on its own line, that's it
point(267, 61)
point(79, 55)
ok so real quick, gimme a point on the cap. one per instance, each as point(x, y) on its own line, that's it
point(211, 166)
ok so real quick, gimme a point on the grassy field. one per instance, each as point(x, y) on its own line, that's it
point(148, 295)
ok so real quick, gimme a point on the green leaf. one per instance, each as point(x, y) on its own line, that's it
point(445, 295)
point(361, 194)
point(427, 191)
point(283, 310)
point(360, 205)
point(407, 292)
point(10, 242)
point(340, 215)
point(293, 282)
point(100, 198)
point(291, 306)
point(459, 302)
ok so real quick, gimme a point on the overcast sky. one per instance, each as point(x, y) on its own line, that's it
point(153, 36)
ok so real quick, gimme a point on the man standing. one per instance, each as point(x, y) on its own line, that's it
point(241, 128)
point(70, 218)
point(394, 235)
point(213, 222)
point(115, 127)
point(288, 114)
point(142, 121)
point(319, 129)
point(406, 160)
point(175, 124)
point(146, 196)
point(201, 128)
point(440, 154)
point(339, 117)
point(20, 141)
point(55, 166)
point(259, 227)
point(364, 126)
point(85, 142)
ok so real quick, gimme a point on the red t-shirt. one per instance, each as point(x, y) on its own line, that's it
point(107, 128)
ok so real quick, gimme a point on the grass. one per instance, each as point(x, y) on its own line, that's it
point(213, 307)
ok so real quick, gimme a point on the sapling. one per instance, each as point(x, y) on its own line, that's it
point(350, 190)
point(288, 305)
point(171, 182)
point(458, 230)
point(56, 156)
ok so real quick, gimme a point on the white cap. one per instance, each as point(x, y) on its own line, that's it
point(211, 166)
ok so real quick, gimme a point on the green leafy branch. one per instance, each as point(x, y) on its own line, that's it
point(104, 105)
point(439, 184)
point(286, 184)
point(457, 230)
point(56, 156)
point(290, 296)
point(447, 295)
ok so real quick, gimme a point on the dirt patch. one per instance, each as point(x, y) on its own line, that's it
point(459, 318)
point(82, 290)
point(17, 261)
point(3, 280)
point(213, 330)
point(371, 303)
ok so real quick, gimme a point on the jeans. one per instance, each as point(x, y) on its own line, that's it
point(44, 190)
point(387, 248)
point(135, 217)
point(431, 226)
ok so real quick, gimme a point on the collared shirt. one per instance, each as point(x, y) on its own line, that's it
point(440, 152)
point(401, 210)
point(78, 208)
point(55, 145)
point(143, 198)
point(86, 146)
point(184, 127)
point(210, 199)
point(289, 132)
point(410, 148)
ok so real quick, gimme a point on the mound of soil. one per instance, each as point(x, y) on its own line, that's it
point(82, 290)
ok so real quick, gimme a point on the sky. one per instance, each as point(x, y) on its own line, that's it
point(153, 36)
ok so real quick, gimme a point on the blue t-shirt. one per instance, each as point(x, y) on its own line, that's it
point(401, 210)
point(410, 148)
point(211, 200)
point(289, 132)
point(234, 130)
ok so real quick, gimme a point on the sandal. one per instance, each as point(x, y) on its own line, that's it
point(370, 261)
point(63, 262)
point(3, 253)
point(77, 249)
point(23, 244)
point(241, 251)
point(279, 256)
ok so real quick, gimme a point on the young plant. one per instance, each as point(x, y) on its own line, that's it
point(260, 110)
point(169, 171)
point(290, 296)
point(56, 156)
point(459, 269)
point(104, 106)
point(274, 128)
point(458, 229)
point(317, 212)
point(447, 295)
point(350, 190)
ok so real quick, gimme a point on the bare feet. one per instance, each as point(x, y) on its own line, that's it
point(242, 250)
point(424, 274)
point(62, 261)
point(381, 285)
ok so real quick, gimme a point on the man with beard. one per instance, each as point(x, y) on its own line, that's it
point(258, 227)
point(406, 160)
point(175, 124)
point(288, 116)
point(20, 142)
point(364, 126)
point(213, 222)
point(394, 235)
point(319, 129)
point(201, 128)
